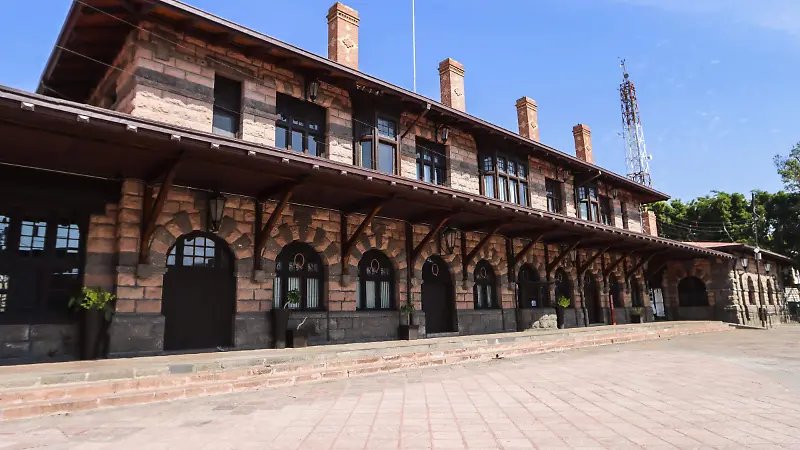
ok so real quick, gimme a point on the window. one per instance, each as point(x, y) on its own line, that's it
point(67, 238)
point(563, 285)
point(606, 212)
point(588, 204)
point(3, 292)
point(636, 294)
point(195, 250)
point(532, 292)
point(31, 238)
point(484, 286)
point(227, 106)
point(298, 268)
point(624, 209)
point(615, 290)
point(751, 291)
point(505, 178)
point(431, 162)
point(376, 145)
point(770, 297)
point(692, 292)
point(553, 189)
point(300, 126)
point(4, 223)
point(375, 281)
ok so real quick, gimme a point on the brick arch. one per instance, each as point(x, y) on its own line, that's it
point(379, 238)
point(453, 260)
point(302, 224)
point(496, 256)
point(533, 260)
point(182, 223)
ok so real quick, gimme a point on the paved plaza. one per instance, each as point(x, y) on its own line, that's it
point(736, 389)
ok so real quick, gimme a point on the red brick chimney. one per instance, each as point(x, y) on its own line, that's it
point(343, 35)
point(528, 118)
point(649, 223)
point(583, 142)
point(451, 83)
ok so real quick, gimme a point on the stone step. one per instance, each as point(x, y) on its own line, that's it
point(232, 374)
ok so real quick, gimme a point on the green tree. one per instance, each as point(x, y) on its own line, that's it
point(789, 168)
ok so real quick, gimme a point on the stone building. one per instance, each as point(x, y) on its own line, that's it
point(203, 172)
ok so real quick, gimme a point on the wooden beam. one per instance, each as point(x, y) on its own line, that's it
point(528, 247)
point(616, 263)
point(585, 266)
point(655, 268)
point(425, 240)
point(642, 262)
point(151, 214)
point(482, 243)
point(367, 204)
point(413, 124)
point(280, 188)
point(351, 241)
point(552, 265)
point(266, 231)
point(494, 223)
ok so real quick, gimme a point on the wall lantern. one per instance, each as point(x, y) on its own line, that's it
point(614, 193)
point(312, 90)
point(216, 210)
point(449, 237)
point(744, 262)
point(573, 254)
point(767, 267)
point(444, 133)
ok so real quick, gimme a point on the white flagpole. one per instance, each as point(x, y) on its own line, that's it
point(414, 44)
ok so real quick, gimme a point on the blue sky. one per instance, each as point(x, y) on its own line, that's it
point(717, 79)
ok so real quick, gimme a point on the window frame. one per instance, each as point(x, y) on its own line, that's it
point(366, 261)
point(592, 205)
point(227, 110)
point(370, 133)
point(290, 109)
point(506, 177)
point(487, 282)
point(310, 255)
point(425, 147)
point(606, 210)
point(553, 193)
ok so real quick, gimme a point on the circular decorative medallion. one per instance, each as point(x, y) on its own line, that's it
point(375, 266)
point(299, 261)
point(482, 273)
point(435, 269)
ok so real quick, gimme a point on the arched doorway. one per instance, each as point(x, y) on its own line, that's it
point(531, 293)
point(615, 291)
point(591, 298)
point(437, 296)
point(199, 297)
point(692, 292)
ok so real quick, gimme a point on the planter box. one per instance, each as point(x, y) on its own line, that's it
point(408, 332)
point(280, 321)
point(297, 338)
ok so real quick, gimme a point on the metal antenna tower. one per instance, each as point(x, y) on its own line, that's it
point(637, 159)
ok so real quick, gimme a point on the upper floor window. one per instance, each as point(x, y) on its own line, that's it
point(606, 212)
point(377, 142)
point(553, 188)
point(431, 162)
point(624, 210)
point(505, 178)
point(227, 106)
point(300, 126)
point(588, 204)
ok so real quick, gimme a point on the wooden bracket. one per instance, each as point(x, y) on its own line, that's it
point(152, 209)
point(535, 238)
point(614, 264)
point(280, 188)
point(426, 240)
point(266, 231)
point(350, 242)
point(642, 262)
point(367, 204)
point(585, 266)
point(482, 243)
point(419, 117)
point(552, 264)
point(655, 268)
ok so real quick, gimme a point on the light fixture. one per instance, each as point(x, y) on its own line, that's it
point(449, 237)
point(443, 132)
point(767, 267)
point(312, 90)
point(216, 210)
point(744, 262)
point(614, 193)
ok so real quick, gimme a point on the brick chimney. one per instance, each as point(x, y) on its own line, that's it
point(528, 118)
point(649, 223)
point(583, 142)
point(451, 83)
point(343, 35)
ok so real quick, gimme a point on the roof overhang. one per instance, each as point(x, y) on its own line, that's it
point(737, 248)
point(54, 134)
point(97, 29)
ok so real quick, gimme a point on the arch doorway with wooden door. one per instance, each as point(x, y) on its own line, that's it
point(199, 298)
point(437, 297)
point(591, 298)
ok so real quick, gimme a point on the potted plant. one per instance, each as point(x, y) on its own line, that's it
point(637, 314)
point(408, 331)
point(97, 308)
point(561, 304)
point(280, 318)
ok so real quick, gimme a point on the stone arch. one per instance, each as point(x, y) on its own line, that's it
point(493, 252)
point(384, 237)
point(534, 261)
point(303, 224)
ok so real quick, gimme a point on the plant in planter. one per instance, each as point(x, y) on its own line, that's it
point(637, 314)
point(408, 331)
point(561, 304)
point(97, 307)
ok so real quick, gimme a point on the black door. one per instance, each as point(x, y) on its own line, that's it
point(592, 300)
point(199, 294)
point(437, 296)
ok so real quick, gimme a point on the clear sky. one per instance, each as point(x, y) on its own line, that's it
point(717, 79)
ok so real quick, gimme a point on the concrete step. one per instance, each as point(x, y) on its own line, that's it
point(71, 387)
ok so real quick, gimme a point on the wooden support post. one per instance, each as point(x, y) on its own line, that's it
point(427, 239)
point(151, 212)
point(552, 265)
point(265, 232)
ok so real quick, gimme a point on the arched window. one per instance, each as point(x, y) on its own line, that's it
point(615, 290)
point(532, 292)
point(563, 285)
point(751, 291)
point(770, 293)
point(375, 281)
point(692, 292)
point(484, 286)
point(298, 268)
point(636, 294)
point(197, 249)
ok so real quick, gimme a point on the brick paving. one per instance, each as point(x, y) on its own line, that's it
point(719, 390)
